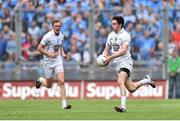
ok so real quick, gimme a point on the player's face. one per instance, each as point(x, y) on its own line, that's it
point(115, 26)
point(56, 27)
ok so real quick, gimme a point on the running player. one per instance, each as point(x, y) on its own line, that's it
point(51, 46)
point(119, 43)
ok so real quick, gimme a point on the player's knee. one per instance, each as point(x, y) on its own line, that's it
point(120, 83)
point(61, 82)
point(49, 86)
point(131, 88)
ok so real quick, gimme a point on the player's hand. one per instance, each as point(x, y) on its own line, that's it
point(52, 54)
point(108, 59)
point(66, 57)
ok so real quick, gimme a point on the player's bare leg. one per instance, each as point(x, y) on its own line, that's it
point(133, 86)
point(60, 77)
point(122, 77)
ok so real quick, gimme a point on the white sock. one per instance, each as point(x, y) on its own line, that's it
point(123, 102)
point(64, 103)
point(41, 79)
point(144, 81)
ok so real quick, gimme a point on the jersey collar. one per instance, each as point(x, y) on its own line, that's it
point(121, 31)
point(54, 32)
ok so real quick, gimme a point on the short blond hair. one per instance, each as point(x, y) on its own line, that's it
point(55, 21)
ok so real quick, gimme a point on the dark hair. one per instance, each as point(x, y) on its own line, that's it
point(119, 19)
point(55, 21)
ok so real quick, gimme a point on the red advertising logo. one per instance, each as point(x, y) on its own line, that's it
point(24, 90)
point(109, 89)
point(77, 89)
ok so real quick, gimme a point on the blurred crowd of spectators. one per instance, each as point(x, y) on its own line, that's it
point(143, 20)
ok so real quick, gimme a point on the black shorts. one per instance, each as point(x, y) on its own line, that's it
point(125, 70)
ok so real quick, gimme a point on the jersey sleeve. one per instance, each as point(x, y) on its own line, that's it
point(127, 39)
point(44, 40)
point(108, 42)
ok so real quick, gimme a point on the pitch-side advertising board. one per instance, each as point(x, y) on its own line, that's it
point(78, 90)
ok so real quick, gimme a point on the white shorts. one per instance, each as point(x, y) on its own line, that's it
point(127, 64)
point(51, 67)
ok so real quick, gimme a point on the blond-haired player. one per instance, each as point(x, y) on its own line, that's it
point(51, 46)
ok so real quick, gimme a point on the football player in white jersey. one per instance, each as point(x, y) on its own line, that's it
point(51, 46)
point(119, 43)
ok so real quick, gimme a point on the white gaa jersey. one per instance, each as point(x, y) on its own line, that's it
point(115, 41)
point(53, 43)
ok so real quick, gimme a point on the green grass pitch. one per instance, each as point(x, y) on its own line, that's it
point(92, 109)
